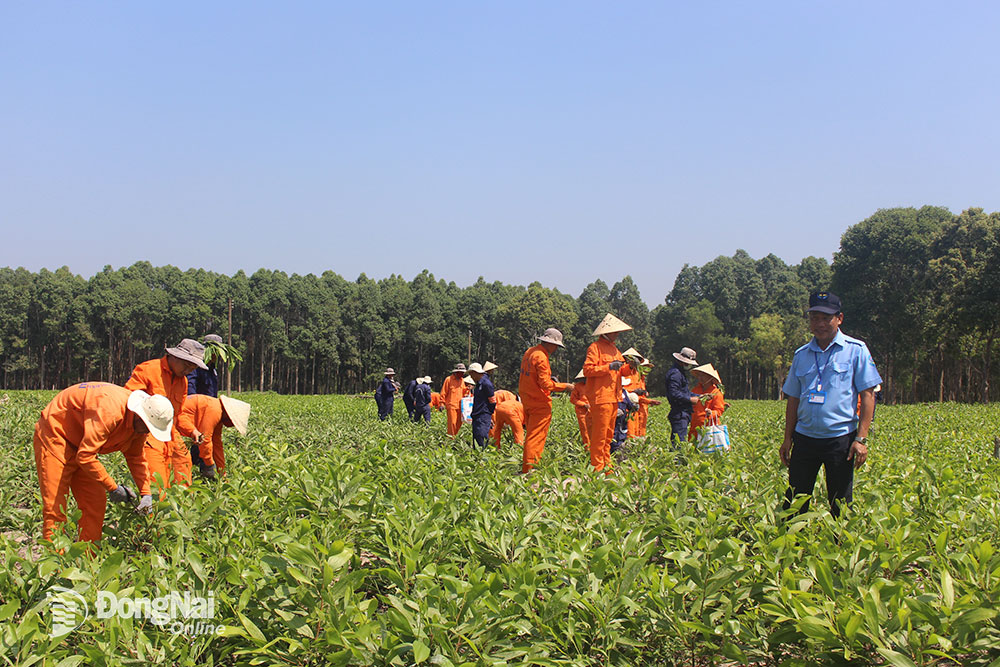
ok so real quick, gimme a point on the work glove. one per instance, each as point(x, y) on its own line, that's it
point(615, 365)
point(122, 494)
point(145, 505)
point(208, 471)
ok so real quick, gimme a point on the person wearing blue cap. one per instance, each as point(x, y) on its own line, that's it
point(823, 427)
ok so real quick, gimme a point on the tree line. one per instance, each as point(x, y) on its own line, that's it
point(919, 286)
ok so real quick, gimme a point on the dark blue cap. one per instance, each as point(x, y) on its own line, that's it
point(824, 302)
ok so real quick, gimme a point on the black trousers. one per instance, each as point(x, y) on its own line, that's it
point(808, 455)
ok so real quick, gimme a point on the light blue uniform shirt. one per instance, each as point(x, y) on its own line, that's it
point(847, 369)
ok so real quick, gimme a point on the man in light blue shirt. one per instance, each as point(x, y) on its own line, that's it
point(823, 426)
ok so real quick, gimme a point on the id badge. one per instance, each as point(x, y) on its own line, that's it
point(817, 397)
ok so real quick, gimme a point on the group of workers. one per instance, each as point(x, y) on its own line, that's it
point(146, 420)
point(609, 397)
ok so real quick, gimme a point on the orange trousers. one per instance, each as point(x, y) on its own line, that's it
point(516, 427)
point(583, 419)
point(58, 474)
point(602, 432)
point(643, 418)
point(171, 460)
point(454, 420)
point(536, 421)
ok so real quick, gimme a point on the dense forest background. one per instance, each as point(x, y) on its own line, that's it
point(920, 286)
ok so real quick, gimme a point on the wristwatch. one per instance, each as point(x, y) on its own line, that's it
point(863, 441)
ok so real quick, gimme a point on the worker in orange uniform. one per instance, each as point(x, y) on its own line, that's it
point(534, 387)
point(167, 376)
point(81, 422)
point(501, 395)
point(452, 391)
point(602, 369)
point(711, 403)
point(578, 397)
point(509, 413)
point(437, 400)
point(635, 372)
point(202, 418)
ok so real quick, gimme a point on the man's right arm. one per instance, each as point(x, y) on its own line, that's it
point(791, 419)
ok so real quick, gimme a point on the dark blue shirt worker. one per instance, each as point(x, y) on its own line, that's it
point(483, 404)
point(408, 397)
point(384, 394)
point(422, 400)
point(822, 424)
point(205, 381)
point(679, 394)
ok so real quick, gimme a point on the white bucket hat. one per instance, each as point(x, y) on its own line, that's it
point(156, 412)
point(238, 411)
point(610, 324)
point(476, 367)
point(189, 350)
point(468, 380)
point(552, 335)
point(389, 371)
point(427, 379)
point(687, 356)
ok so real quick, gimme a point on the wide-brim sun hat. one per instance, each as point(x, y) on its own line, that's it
point(687, 356)
point(610, 324)
point(238, 411)
point(489, 366)
point(427, 379)
point(459, 368)
point(213, 338)
point(634, 397)
point(156, 412)
point(632, 352)
point(476, 368)
point(552, 335)
point(189, 350)
point(389, 371)
point(709, 370)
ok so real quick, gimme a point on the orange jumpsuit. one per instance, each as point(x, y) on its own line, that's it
point(578, 398)
point(717, 404)
point(501, 395)
point(155, 377)
point(205, 414)
point(509, 413)
point(535, 386)
point(452, 391)
point(603, 391)
point(637, 424)
point(78, 424)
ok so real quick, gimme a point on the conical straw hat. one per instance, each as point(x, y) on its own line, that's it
point(632, 352)
point(238, 411)
point(709, 370)
point(610, 324)
point(489, 366)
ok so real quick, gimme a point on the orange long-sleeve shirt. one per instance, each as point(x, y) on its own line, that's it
point(92, 418)
point(205, 414)
point(507, 411)
point(603, 384)
point(535, 384)
point(503, 395)
point(452, 391)
point(717, 404)
point(155, 377)
point(578, 397)
point(437, 400)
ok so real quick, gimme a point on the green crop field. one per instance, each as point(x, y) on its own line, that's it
point(339, 540)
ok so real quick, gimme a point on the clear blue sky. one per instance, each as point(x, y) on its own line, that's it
point(551, 141)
